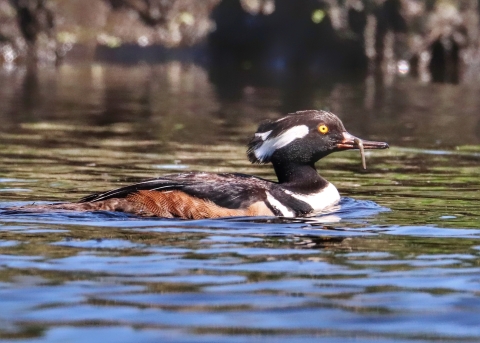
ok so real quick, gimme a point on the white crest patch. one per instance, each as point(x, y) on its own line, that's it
point(279, 206)
point(263, 135)
point(327, 197)
point(287, 137)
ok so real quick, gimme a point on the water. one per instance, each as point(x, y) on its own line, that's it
point(397, 260)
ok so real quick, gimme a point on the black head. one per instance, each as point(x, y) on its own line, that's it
point(303, 137)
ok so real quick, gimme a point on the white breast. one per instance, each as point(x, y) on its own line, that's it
point(319, 201)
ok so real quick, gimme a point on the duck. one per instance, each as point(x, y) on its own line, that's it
point(292, 144)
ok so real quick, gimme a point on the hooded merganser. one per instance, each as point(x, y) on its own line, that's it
point(292, 144)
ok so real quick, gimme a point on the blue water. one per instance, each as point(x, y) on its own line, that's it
point(330, 278)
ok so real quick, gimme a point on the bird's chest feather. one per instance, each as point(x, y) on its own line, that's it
point(320, 200)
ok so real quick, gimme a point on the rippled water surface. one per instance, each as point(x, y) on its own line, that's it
point(397, 260)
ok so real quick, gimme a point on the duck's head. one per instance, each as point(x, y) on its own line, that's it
point(304, 137)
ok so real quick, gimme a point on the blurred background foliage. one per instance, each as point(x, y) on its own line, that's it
point(436, 40)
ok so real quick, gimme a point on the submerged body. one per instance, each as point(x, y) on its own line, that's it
point(292, 144)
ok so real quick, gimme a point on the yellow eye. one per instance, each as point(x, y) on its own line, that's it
point(323, 129)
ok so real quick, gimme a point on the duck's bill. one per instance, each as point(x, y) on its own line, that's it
point(351, 142)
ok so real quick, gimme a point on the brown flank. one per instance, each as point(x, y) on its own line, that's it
point(168, 204)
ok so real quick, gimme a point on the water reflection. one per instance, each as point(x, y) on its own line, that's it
point(178, 102)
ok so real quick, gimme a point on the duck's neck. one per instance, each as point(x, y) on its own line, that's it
point(299, 177)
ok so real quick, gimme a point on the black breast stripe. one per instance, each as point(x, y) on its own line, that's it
point(275, 210)
point(299, 207)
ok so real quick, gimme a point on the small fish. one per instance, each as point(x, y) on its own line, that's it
point(359, 143)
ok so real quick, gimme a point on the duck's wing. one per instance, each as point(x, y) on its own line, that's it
point(231, 191)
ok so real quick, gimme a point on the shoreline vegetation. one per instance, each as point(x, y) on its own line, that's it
point(435, 40)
